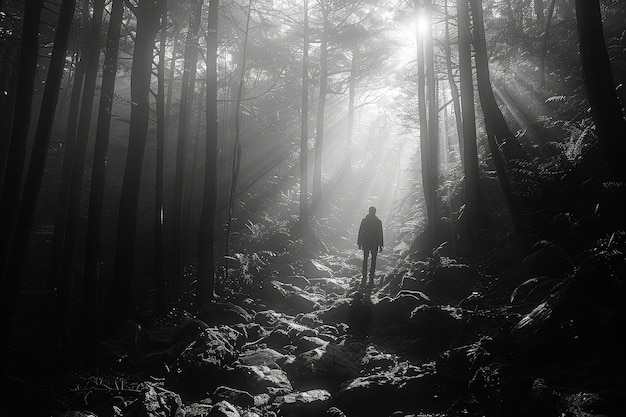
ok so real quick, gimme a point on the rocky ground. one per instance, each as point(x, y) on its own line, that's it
point(432, 338)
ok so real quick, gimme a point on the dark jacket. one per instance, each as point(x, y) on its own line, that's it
point(370, 232)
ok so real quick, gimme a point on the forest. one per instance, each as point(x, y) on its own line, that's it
point(184, 197)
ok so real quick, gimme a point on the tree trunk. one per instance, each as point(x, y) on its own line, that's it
point(159, 279)
point(148, 14)
point(496, 126)
point(470, 152)
point(598, 76)
point(351, 98)
point(453, 88)
point(304, 125)
point(544, 50)
point(321, 109)
point(540, 17)
point(36, 166)
point(58, 237)
point(433, 127)
point(11, 191)
point(96, 190)
point(186, 106)
point(66, 278)
point(206, 236)
point(237, 146)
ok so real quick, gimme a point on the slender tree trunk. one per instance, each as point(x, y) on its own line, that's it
point(189, 212)
point(321, 109)
point(540, 16)
point(304, 124)
point(423, 123)
point(544, 50)
point(66, 278)
point(237, 146)
point(470, 151)
point(36, 166)
point(148, 14)
point(58, 237)
point(11, 191)
point(206, 236)
point(159, 279)
point(170, 77)
point(433, 126)
point(605, 106)
point(96, 191)
point(453, 88)
point(186, 106)
point(351, 98)
point(496, 126)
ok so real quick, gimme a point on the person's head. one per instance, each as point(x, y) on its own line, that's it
point(372, 210)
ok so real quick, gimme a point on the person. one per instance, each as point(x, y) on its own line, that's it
point(371, 241)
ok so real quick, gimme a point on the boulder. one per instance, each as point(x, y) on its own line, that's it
point(385, 392)
point(396, 310)
point(267, 318)
point(326, 366)
point(259, 379)
point(224, 409)
point(265, 356)
point(159, 402)
point(295, 280)
point(311, 403)
point(337, 313)
point(223, 313)
point(315, 269)
point(233, 396)
point(197, 368)
point(440, 325)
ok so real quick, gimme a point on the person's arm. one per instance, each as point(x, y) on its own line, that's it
point(380, 234)
point(359, 240)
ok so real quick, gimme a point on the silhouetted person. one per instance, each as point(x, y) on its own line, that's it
point(371, 241)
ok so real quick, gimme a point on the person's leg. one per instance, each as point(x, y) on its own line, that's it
point(373, 265)
point(365, 256)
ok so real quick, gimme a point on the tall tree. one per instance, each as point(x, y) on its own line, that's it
point(148, 13)
point(206, 235)
point(605, 107)
point(321, 108)
point(96, 191)
point(304, 123)
point(470, 152)
point(58, 238)
point(186, 106)
point(37, 163)
point(237, 145)
point(162, 115)
point(66, 277)
point(11, 191)
point(498, 131)
point(456, 102)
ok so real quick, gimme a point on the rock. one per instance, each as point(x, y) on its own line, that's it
point(295, 280)
point(502, 389)
point(159, 402)
point(223, 313)
point(254, 331)
point(396, 310)
point(197, 410)
point(330, 285)
point(376, 361)
point(314, 269)
point(266, 356)
point(267, 318)
point(360, 314)
point(308, 319)
point(308, 343)
point(334, 412)
point(234, 396)
point(308, 403)
point(272, 293)
point(197, 368)
point(259, 379)
point(326, 366)
point(277, 339)
point(385, 392)
point(457, 366)
point(544, 401)
point(440, 325)
point(224, 409)
point(338, 313)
